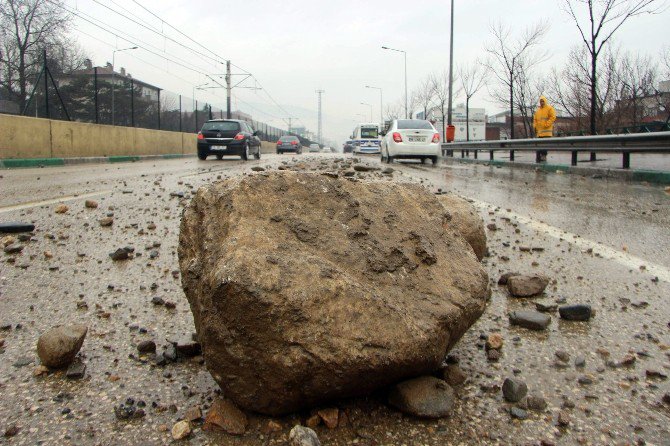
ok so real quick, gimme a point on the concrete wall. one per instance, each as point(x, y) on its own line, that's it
point(25, 137)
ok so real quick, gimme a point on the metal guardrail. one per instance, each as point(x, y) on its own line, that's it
point(657, 142)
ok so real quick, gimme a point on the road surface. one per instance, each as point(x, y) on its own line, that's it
point(602, 242)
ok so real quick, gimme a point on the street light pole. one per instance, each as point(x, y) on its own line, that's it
point(114, 77)
point(405, 54)
point(451, 62)
point(369, 105)
point(381, 103)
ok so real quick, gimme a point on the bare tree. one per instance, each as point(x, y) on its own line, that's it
point(508, 55)
point(394, 111)
point(473, 77)
point(638, 76)
point(27, 27)
point(440, 84)
point(425, 95)
point(597, 21)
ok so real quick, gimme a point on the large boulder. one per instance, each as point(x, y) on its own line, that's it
point(306, 288)
point(463, 218)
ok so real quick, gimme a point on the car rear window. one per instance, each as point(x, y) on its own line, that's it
point(404, 124)
point(288, 138)
point(221, 126)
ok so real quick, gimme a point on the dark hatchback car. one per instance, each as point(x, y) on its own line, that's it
point(228, 137)
point(289, 144)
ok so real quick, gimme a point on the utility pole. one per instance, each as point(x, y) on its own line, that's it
point(451, 62)
point(228, 88)
point(319, 92)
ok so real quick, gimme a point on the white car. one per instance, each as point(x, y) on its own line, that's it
point(411, 139)
point(314, 148)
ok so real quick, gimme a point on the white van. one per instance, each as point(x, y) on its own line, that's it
point(366, 138)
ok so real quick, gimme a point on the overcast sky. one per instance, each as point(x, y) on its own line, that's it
point(295, 47)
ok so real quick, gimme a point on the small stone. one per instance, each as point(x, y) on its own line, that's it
point(666, 398)
point(518, 413)
point(655, 374)
point(193, 414)
point(258, 169)
point(156, 300)
point(106, 221)
point(40, 370)
point(580, 362)
point(514, 390)
point(13, 227)
point(453, 375)
point(493, 355)
point(223, 414)
point(146, 347)
point(91, 204)
point(562, 355)
point(585, 380)
point(526, 286)
point(12, 430)
point(329, 416)
point(578, 312)
point(563, 418)
point(425, 396)
point(273, 426)
point(188, 347)
point(494, 341)
point(531, 320)
point(58, 346)
point(303, 436)
point(536, 402)
point(181, 430)
point(14, 248)
point(313, 421)
point(76, 370)
point(62, 209)
point(119, 254)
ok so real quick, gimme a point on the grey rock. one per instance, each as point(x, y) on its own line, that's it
point(58, 346)
point(578, 312)
point(119, 254)
point(76, 370)
point(170, 353)
point(303, 436)
point(562, 355)
point(187, 347)
point(526, 286)
point(536, 402)
point(23, 361)
point(514, 390)
point(13, 227)
point(146, 347)
point(453, 375)
point(518, 413)
point(532, 320)
point(580, 361)
point(426, 397)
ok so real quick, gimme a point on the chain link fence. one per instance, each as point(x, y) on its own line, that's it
point(102, 96)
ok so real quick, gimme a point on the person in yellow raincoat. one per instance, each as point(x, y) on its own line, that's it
point(543, 122)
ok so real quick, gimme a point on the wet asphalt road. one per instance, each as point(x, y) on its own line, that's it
point(605, 243)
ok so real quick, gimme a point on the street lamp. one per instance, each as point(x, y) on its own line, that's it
point(381, 101)
point(114, 77)
point(369, 105)
point(405, 54)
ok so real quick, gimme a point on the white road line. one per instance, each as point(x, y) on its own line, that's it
point(32, 204)
point(607, 252)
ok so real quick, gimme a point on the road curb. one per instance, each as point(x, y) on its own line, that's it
point(649, 176)
point(15, 163)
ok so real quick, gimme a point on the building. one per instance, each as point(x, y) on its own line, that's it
point(107, 75)
point(475, 116)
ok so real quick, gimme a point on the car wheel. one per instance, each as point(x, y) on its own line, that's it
point(202, 155)
point(257, 155)
point(245, 154)
point(434, 159)
point(219, 156)
point(279, 152)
